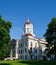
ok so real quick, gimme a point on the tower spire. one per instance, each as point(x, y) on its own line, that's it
point(28, 20)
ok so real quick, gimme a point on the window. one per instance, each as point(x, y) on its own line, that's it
point(31, 50)
point(35, 57)
point(21, 57)
point(31, 56)
point(13, 53)
point(35, 50)
point(25, 56)
point(21, 45)
point(31, 43)
point(25, 43)
point(19, 51)
point(25, 50)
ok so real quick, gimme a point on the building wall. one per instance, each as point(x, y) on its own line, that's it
point(28, 48)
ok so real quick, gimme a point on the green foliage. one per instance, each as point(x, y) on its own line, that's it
point(5, 27)
point(50, 36)
point(27, 62)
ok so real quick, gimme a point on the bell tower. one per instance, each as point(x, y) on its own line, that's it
point(28, 27)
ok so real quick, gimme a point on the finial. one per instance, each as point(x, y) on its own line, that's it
point(28, 20)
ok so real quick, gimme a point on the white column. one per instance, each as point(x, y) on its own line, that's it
point(16, 50)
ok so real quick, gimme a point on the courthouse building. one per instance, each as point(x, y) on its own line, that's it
point(28, 47)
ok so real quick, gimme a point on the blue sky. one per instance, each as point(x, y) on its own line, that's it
point(40, 13)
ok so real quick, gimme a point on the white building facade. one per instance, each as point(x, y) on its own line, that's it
point(28, 47)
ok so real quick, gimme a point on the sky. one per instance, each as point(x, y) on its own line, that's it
point(40, 13)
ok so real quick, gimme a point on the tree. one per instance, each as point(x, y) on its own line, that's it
point(5, 27)
point(50, 36)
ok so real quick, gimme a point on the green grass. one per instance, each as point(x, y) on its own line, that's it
point(33, 62)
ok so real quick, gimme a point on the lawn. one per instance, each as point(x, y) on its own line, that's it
point(33, 62)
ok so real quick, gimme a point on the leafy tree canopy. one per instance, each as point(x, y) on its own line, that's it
point(5, 27)
point(50, 36)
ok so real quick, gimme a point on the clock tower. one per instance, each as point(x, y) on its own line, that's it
point(28, 28)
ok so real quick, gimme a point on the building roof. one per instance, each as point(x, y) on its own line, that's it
point(15, 39)
point(28, 34)
point(27, 22)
